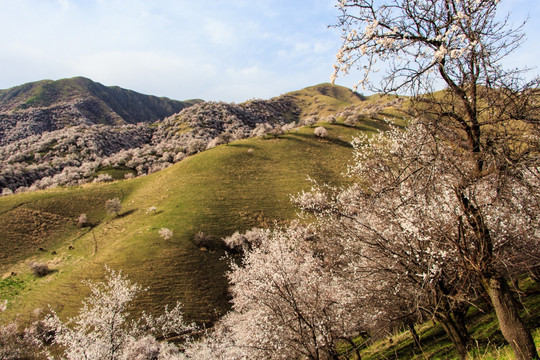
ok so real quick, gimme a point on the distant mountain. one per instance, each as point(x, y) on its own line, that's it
point(59, 145)
point(47, 105)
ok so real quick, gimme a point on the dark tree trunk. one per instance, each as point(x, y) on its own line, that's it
point(455, 335)
point(512, 327)
point(332, 354)
point(355, 348)
point(414, 334)
point(459, 317)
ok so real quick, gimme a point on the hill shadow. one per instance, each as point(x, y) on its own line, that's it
point(242, 146)
point(305, 137)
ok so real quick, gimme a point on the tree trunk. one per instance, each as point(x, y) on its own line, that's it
point(459, 317)
point(512, 327)
point(355, 348)
point(414, 334)
point(452, 330)
point(331, 354)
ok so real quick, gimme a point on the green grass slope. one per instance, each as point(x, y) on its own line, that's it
point(232, 187)
point(325, 99)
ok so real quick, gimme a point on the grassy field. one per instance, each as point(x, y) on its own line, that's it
point(231, 187)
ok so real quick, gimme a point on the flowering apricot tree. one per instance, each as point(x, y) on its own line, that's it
point(458, 40)
point(473, 162)
point(103, 329)
point(287, 303)
point(165, 233)
point(404, 221)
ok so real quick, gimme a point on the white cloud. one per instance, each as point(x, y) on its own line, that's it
point(219, 32)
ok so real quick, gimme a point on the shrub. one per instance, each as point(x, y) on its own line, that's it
point(288, 127)
point(243, 242)
point(113, 206)
point(103, 178)
point(82, 221)
point(320, 132)
point(39, 269)
point(151, 210)
point(165, 233)
point(351, 120)
point(200, 239)
point(214, 142)
point(261, 130)
point(309, 121)
point(195, 146)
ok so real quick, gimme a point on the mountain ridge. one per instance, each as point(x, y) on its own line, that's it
point(65, 144)
point(48, 105)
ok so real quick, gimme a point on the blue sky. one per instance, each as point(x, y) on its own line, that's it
point(230, 50)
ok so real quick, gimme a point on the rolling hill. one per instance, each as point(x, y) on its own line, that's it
point(238, 183)
point(325, 99)
point(81, 153)
point(230, 187)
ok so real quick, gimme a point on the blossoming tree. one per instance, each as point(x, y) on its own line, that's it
point(471, 168)
point(103, 328)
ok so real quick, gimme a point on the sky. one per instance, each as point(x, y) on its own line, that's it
point(221, 50)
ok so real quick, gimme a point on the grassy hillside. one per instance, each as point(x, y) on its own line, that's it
point(325, 99)
point(231, 187)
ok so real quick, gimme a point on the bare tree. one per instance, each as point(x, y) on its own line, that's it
point(39, 269)
point(481, 132)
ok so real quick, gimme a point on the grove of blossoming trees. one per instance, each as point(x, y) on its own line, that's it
point(393, 248)
point(288, 302)
point(103, 329)
point(73, 155)
point(440, 215)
